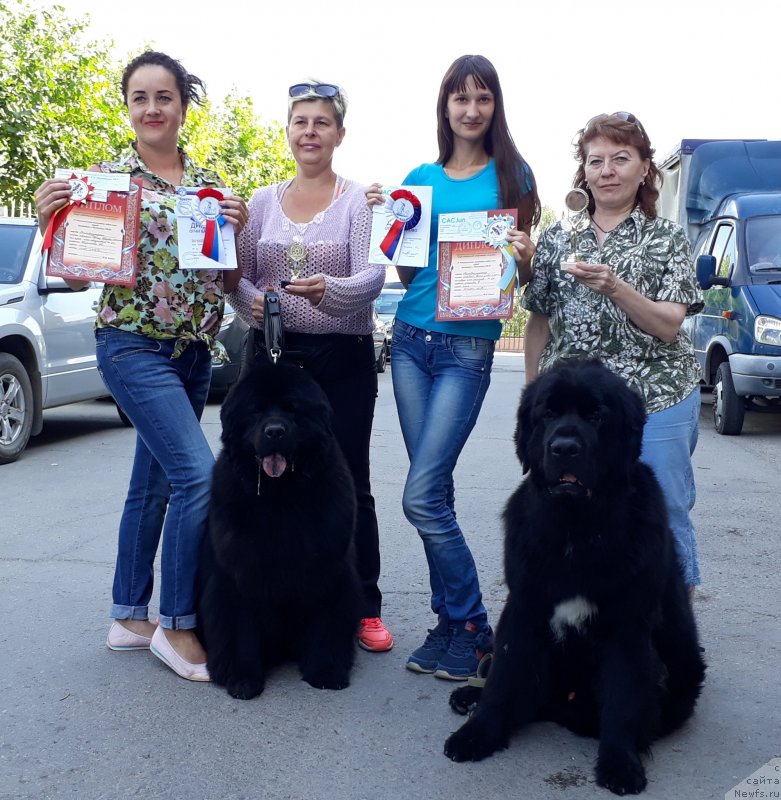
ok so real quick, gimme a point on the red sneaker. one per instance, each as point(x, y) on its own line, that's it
point(374, 636)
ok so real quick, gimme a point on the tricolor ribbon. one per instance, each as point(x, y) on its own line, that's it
point(208, 214)
point(405, 208)
point(81, 192)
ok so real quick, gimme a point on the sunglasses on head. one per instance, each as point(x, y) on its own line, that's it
point(320, 89)
point(624, 116)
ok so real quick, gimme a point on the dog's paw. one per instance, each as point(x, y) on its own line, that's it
point(328, 680)
point(471, 743)
point(464, 699)
point(244, 688)
point(621, 774)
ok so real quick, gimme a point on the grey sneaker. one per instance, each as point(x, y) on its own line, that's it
point(427, 656)
point(467, 646)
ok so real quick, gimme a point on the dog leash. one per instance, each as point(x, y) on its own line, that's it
point(272, 325)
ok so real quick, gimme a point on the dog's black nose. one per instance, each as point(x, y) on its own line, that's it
point(274, 430)
point(565, 446)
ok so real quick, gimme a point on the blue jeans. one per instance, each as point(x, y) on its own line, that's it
point(171, 477)
point(669, 439)
point(440, 381)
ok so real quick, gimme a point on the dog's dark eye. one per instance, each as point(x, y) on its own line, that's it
point(549, 414)
point(595, 417)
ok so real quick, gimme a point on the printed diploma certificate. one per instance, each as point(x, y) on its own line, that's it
point(475, 265)
point(95, 236)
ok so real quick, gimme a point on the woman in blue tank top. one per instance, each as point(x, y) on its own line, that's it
point(441, 370)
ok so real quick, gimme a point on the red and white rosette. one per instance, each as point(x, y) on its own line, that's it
point(405, 208)
point(207, 211)
point(81, 192)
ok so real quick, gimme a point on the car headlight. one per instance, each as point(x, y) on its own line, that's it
point(767, 330)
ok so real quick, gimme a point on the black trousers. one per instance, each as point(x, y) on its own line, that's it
point(345, 368)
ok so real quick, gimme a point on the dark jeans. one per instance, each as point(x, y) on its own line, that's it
point(345, 368)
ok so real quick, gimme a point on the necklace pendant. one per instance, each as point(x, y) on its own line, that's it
point(296, 257)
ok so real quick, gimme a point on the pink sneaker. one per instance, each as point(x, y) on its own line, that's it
point(374, 636)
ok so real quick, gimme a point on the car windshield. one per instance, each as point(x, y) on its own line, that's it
point(388, 301)
point(15, 241)
point(763, 247)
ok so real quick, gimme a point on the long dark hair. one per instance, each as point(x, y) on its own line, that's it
point(517, 187)
point(621, 128)
point(191, 88)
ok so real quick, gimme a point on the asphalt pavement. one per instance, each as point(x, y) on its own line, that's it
point(80, 721)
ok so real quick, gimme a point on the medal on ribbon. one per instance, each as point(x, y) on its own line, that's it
point(495, 235)
point(296, 256)
point(207, 211)
point(81, 192)
point(405, 208)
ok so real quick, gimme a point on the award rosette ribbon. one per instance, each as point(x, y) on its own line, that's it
point(405, 208)
point(81, 192)
point(495, 235)
point(207, 211)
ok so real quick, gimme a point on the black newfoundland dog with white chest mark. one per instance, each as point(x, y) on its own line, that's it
point(597, 632)
point(278, 578)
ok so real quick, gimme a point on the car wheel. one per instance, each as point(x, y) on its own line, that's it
point(16, 408)
point(382, 359)
point(728, 408)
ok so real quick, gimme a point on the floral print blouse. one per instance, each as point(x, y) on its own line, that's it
point(651, 255)
point(167, 302)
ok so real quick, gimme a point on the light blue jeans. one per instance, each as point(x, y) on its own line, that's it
point(440, 381)
point(669, 439)
point(171, 476)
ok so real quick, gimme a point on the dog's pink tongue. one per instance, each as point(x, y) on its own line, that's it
point(274, 465)
point(568, 477)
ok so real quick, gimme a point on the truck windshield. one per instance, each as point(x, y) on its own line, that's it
point(15, 241)
point(763, 247)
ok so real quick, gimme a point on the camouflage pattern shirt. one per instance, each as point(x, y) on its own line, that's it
point(167, 301)
point(651, 255)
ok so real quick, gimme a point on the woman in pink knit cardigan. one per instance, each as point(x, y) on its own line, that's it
point(308, 238)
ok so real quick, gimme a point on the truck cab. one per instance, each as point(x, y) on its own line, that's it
point(727, 195)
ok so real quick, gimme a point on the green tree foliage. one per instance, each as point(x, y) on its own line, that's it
point(516, 326)
point(547, 218)
point(232, 139)
point(59, 105)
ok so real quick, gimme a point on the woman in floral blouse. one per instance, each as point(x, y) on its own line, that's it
point(155, 343)
point(624, 302)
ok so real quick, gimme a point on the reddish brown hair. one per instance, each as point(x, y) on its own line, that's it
point(621, 128)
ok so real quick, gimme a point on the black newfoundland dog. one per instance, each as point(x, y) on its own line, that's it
point(278, 579)
point(597, 633)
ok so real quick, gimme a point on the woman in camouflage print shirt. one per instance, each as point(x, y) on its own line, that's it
point(624, 302)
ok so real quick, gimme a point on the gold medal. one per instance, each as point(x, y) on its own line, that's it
point(296, 256)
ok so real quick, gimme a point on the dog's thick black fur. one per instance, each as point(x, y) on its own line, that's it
point(597, 632)
point(278, 579)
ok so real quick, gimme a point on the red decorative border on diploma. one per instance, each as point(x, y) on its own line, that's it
point(124, 205)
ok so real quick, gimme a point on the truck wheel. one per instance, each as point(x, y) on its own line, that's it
point(728, 408)
point(16, 408)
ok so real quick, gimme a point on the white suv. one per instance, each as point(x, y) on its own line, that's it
point(47, 344)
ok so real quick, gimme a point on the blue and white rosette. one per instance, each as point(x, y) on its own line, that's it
point(495, 235)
